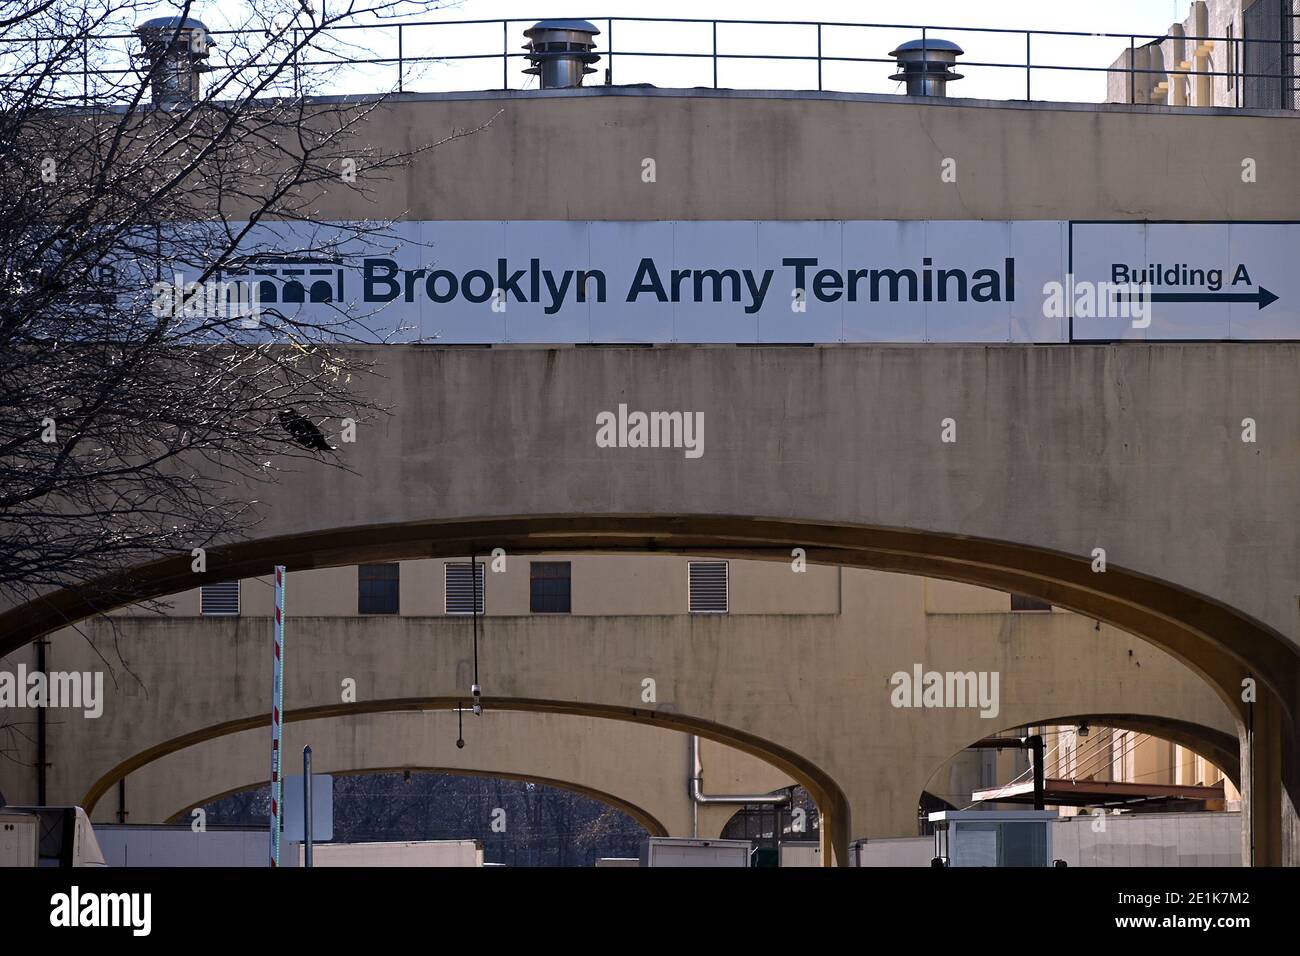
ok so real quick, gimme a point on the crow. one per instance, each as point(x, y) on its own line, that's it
point(303, 431)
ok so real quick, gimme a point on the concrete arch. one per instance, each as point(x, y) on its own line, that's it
point(787, 766)
point(640, 769)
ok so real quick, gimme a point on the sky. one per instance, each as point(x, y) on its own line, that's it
point(1151, 17)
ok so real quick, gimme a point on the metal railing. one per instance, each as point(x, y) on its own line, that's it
point(1286, 72)
point(317, 56)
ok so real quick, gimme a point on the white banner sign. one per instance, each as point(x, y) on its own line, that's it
point(800, 282)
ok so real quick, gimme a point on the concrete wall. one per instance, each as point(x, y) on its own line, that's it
point(738, 155)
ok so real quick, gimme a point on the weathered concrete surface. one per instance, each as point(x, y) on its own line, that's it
point(638, 768)
point(1132, 448)
point(718, 155)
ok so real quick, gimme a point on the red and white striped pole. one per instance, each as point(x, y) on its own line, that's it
point(277, 711)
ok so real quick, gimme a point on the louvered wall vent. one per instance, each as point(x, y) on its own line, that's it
point(220, 598)
point(708, 583)
point(460, 588)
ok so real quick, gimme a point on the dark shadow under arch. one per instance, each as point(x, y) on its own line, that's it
point(647, 820)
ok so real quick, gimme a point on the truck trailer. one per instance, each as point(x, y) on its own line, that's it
point(671, 851)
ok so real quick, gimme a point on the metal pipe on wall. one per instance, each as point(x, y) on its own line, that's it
point(699, 797)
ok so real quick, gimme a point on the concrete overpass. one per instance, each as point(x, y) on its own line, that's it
point(1060, 450)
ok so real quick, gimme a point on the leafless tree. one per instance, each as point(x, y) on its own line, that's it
point(137, 409)
point(119, 395)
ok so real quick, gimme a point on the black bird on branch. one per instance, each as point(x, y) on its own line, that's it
point(303, 431)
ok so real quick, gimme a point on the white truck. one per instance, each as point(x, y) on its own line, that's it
point(47, 836)
point(672, 851)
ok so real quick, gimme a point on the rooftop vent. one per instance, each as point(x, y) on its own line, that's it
point(560, 52)
point(174, 48)
point(926, 65)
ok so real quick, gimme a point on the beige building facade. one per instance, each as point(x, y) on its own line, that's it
point(636, 586)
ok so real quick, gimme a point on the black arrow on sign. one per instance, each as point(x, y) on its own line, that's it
point(1263, 297)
